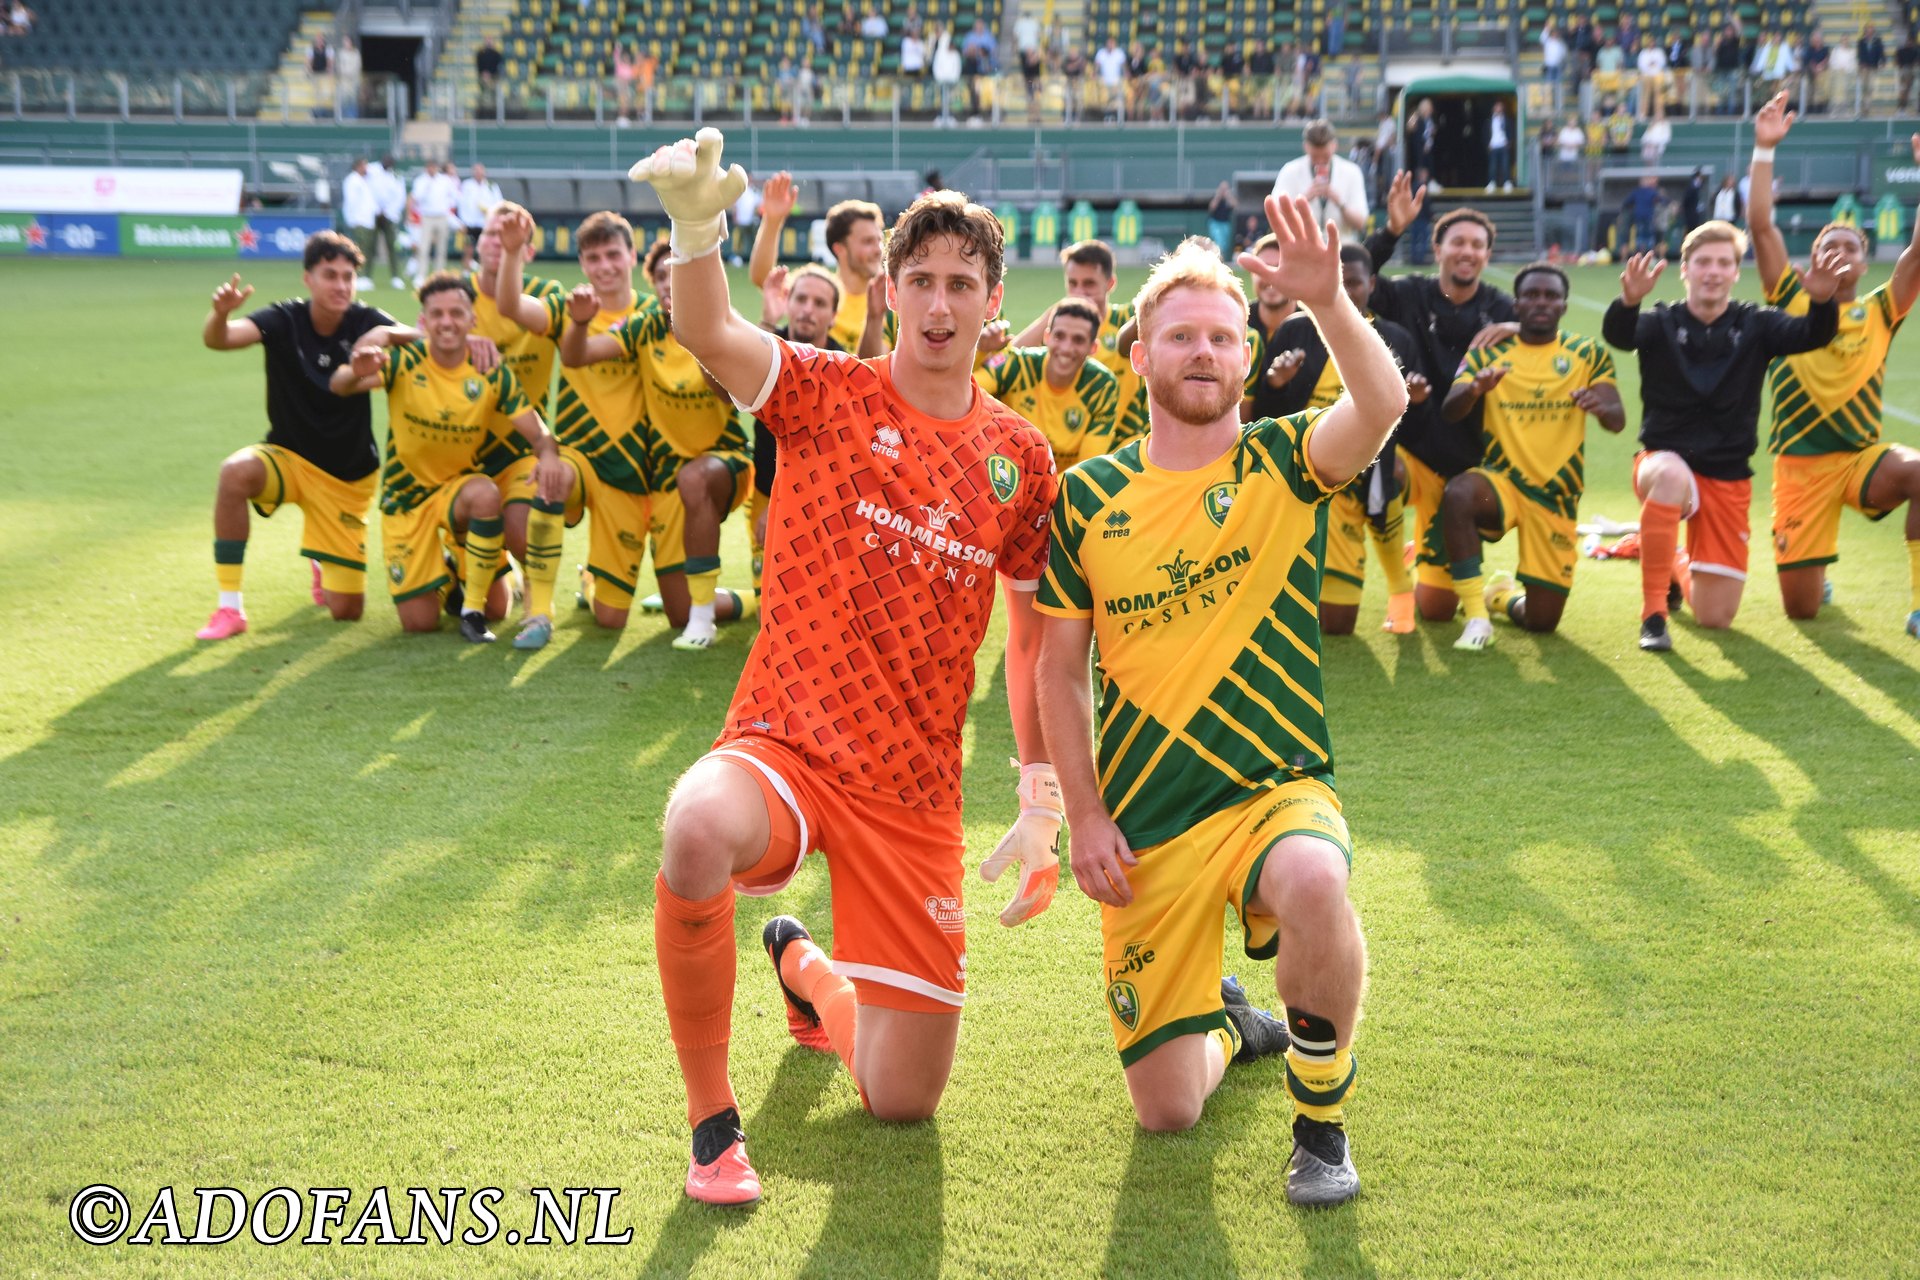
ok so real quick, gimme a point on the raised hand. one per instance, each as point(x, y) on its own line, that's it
point(1418, 388)
point(582, 304)
point(694, 190)
point(228, 297)
point(1825, 273)
point(1489, 378)
point(1309, 267)
point(483, 352)
point(1643, 271)
point(516, 232)
point(994, 337)
point(773, 297)
point(778, 196)
point(1772, 121)
point(1403, 202)
point(1281, 369)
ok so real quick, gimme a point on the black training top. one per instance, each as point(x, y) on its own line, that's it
point(1700, 383)
point(1443, 330)
point(334, 433)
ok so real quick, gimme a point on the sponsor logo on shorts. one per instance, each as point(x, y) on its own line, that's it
point(947, 913)
point(629, 540)
point(1134, 959)
point(1284, 802)
point(1125, 1003)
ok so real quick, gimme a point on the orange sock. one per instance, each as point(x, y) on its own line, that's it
point(693, 942)
point(805, 968)
point(1659, 537)
point(1683, 573)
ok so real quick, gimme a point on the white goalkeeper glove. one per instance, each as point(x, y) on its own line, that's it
point(694, 191)
point(1034, 843)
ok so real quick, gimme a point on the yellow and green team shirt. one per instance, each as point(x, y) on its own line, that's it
point(1203, 587)
point(530, 355)
point(684, 417)
point(438, 420)
point(1832, 400)
point(600, 407)
point(1077, 422)
point(851, 318)
point(1132, 422)
point(1533, 432)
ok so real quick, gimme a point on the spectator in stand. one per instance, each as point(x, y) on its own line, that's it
point(744, 217)
point(643, 83)
point(814, 31)
point(979, 54)
point(1654, 141)
point(1233, 75)
point(1139, 68)
point(1184, 67)
point(20, 19)
point(873, 26)
point(1260, 69)
point(1651, 63)
point(1033, 68)
point(1870, 53)
point(913, 55)
point(1333, 186)
point(1220, 221)
point(487, 62)
point(1110, 64)
point(1423, 132)
point(1815, 59)
point(1642, 205)
point(346, 68)
point(1553, 54)
point(626, 69)
point(947, 65)
point(1843, 77)
point(1569, 142)
point(1499, 149)
point(1073, 72)
point(1693, 199)
point(1729, 60)
point(1773, 64)
point(1584, 47)
point(320, 72)
point(1596, 149)
point(1679, 53)
point(1306, 79)
point(360, 211)
point(848, 28)
point(1026, 32)
point(1619, 128)
point(478, 196)
point(1627, 33)
point(1906, 62)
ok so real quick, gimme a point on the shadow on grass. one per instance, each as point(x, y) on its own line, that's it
point(887, 1216)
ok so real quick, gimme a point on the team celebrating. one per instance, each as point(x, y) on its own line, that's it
point(1175, 494)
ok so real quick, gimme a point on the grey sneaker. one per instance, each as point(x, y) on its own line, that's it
point(1321, 1171)
point(1654, 637)
point(1260, 1033)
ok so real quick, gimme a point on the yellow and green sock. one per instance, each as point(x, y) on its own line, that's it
point(1320, 1073)
point(546, 527)
point(1470, 585)
point(484, 537)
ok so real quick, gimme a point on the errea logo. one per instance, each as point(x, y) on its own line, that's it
point(1117, 522)
point(887, 441)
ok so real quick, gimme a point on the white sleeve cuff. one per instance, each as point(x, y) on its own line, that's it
point(1020, 584)
point(766, 388)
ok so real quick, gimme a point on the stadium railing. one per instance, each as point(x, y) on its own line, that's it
point(205, 95)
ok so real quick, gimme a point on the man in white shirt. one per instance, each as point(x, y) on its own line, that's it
point(392, 196)
point(434, 196)
point(1026, 33)
point(1333, 186)
point(478, 196)
point(1652, 64)
point(1110, 64)
point(360, 210)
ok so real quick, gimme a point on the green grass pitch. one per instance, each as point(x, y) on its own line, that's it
point(332, 906)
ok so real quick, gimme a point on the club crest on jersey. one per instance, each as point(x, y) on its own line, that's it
point(1074, 419)
point(1562, 365)
point(1857, 312)
point(1219, 501)
point(1004, 474)
point(1125, 1003)
point(473, 387)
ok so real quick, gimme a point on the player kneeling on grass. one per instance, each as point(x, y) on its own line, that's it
point(903, 491)
point(1828, 405)
point(1215, 770)
point(319, 453)
point(1537, 388)
point(1058, 387)
point(441, 411)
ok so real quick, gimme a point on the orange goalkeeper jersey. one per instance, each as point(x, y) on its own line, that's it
point(886, 530)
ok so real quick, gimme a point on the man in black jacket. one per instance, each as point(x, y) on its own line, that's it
point(1447, 313)
point(1702, 363)
point(1299, 375)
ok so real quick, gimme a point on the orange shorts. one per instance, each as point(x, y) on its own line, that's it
point(1808, 492)
point(1717, 526)
point(899, 924)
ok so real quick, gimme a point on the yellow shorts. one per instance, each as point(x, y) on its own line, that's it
point(1425, 487)
point(668, 531)
point(335, 532)
point(414, 541)
point(515, 481)
point(1162, 951)
point(757, 503)
point(1548, 548)
point(617, 535)
point(1348, 532)
point(1808, 491)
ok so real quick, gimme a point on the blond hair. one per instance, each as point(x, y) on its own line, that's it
point(1718, 231)
point(1194, 265)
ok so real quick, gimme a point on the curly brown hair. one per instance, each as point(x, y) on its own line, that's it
point(948, 213)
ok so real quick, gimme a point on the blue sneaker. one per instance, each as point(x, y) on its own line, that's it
point(1913, 624)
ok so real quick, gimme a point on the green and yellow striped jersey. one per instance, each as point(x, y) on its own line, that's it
point(1531, 430)
point(1077, 422)
point(1203, 587)
point(1832, 400)
point(684, 418)
point(438, 421)
point(531, 356)
point(601, 407)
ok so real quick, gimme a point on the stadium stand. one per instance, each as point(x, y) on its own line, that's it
point(158, 35)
